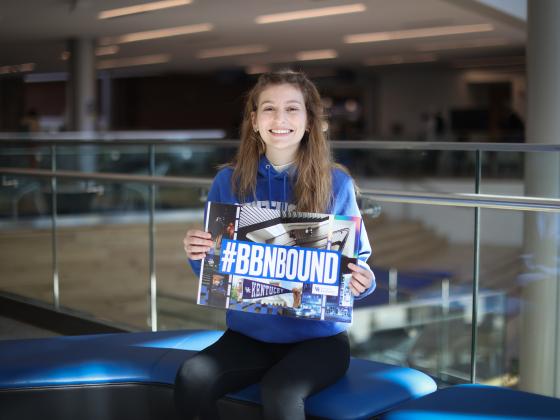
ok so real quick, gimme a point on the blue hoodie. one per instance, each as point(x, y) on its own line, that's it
point(274, 190)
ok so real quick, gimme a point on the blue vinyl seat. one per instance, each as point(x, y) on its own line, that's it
point(132, 375)
point(368, 389)
point(99, 359)
point(479, 402)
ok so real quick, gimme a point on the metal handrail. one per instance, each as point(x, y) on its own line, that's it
point(488, 201)
point(110, 176)
point(144, 135)
point(163, 139)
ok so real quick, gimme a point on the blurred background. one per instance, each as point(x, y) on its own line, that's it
point(386, 69)
point(443, 110)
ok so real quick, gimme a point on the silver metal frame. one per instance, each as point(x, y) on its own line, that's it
point(152, 235)
point(178, 139)
point(54, 245)
point(476, 271)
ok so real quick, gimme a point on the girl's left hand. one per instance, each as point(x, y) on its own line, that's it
point(361, 279)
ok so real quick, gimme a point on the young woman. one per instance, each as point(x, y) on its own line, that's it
point(283, 161)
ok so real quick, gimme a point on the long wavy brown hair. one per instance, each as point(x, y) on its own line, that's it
point(313, 184)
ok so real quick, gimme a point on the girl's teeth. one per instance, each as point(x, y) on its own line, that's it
point(280, 131)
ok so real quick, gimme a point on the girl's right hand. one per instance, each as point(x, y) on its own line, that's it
point(197, 243)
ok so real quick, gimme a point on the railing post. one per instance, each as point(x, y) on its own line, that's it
point(393, 280)
point(476, 270)
point(54, 244)
point(152, 236)
point(443, 359)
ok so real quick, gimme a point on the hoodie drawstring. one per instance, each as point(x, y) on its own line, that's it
point(284, 198)
point(269, 188)
point(284, 205)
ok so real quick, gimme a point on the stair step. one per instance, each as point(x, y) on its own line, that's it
point(395, 245)
point(405, 257)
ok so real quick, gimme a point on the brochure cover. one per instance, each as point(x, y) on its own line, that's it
point(278, 262)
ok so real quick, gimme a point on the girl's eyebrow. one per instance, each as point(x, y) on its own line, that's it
point(290, 101)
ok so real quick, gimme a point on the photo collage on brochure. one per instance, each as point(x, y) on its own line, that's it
point(316, 233)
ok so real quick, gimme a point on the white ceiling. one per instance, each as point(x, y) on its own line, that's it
point(36, 30)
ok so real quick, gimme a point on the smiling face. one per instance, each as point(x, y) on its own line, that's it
point(281, 120)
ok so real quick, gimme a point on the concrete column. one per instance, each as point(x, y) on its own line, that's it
point(540, 317)
point(104, 121)
point(81, 94)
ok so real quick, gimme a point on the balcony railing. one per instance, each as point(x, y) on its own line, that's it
point(53, 160)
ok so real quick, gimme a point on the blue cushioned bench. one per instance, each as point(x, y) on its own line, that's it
point(131, 375)
point(479, 402)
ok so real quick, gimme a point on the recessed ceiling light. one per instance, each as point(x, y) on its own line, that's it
point(157, 33)
point(316, 55)
point(107, 50)
point(99, 51)
point(231, 51)
point(489, 62)
point(141, 8)
point(470, 43)
point(310, 13)
point(417, 33)
point(266, 59)
point(257, 69)
point(133, 61)
point(400, 59)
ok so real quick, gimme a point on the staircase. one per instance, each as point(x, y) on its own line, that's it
point(104, 269)
point(409, 245)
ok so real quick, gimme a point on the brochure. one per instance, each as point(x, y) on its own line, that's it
point(276, 262)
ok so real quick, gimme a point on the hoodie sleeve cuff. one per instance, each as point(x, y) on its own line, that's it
point(196, 266)
point(371, 288)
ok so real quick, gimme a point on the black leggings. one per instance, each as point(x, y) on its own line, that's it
point(288, 373)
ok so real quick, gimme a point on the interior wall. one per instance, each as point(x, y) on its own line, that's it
point(11, 103)
point(406, 94)
point(386, 96)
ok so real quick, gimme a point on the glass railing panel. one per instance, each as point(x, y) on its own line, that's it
point(530, 174)
point(518, 331)
point(84, 196)
point(23, 198)
point(103, 256)
point(504, 171)
point(36, 157)
point(177, 283)
point(132, 159)
point(420, 313)
point(25, 238)
point(438, 171)
point(194, 160)
point(174, 160)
